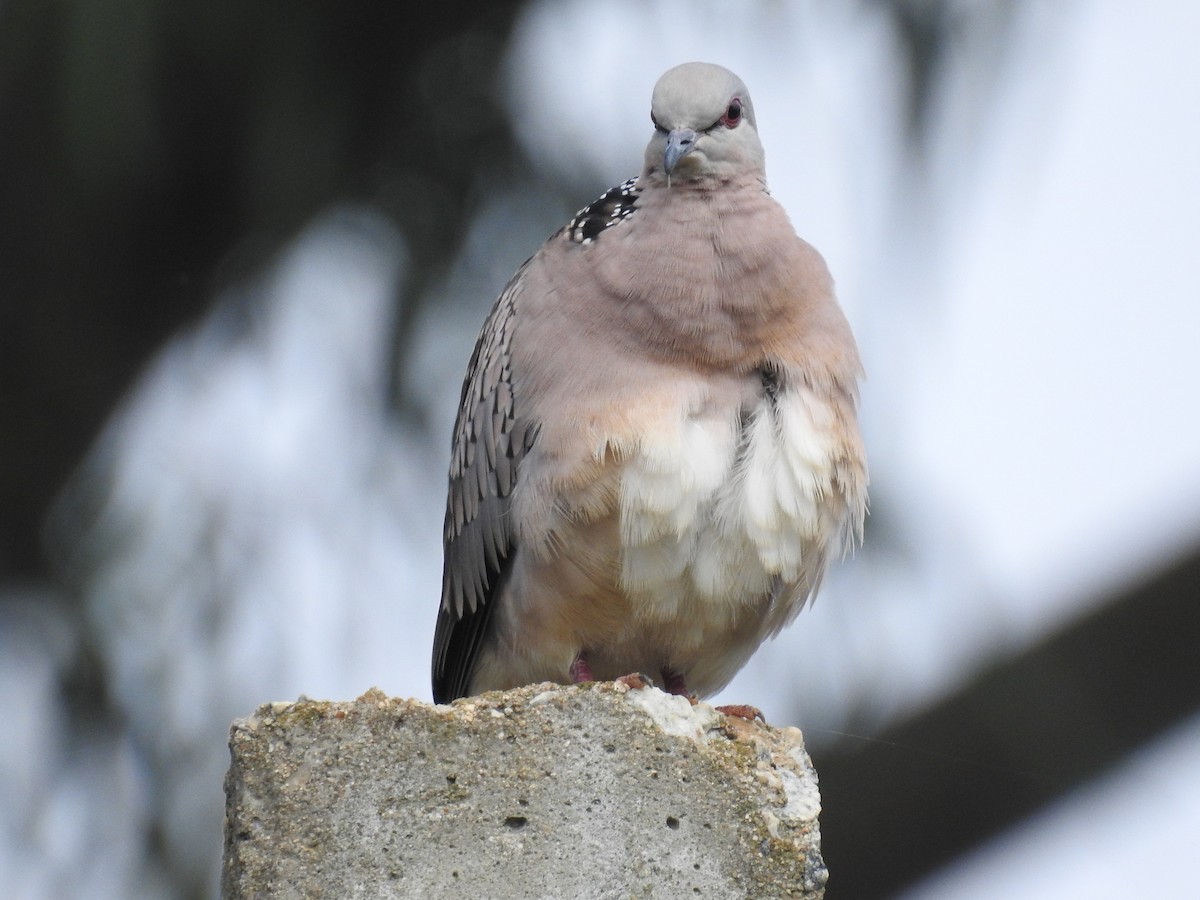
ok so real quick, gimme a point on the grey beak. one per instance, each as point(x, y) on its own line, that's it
point(680, 143)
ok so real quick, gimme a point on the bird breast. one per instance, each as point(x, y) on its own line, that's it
point(719, 510)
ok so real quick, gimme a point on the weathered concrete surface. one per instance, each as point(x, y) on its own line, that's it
point(593, 791)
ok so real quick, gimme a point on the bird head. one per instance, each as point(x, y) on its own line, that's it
point(703, 125)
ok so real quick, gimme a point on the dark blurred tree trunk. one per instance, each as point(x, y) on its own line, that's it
point(1020, 736)
point(154, 152)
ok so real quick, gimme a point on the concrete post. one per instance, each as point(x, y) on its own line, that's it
point(594, 791)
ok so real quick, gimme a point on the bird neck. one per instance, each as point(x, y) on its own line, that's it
point(704, 270)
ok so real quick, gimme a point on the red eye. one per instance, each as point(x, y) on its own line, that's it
point(733, 114)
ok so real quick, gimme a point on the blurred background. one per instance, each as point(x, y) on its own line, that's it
point(245, 250)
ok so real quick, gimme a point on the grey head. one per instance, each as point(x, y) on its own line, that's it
point(704, 126)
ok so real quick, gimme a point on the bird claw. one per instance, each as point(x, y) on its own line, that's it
point(636, 681)
point(743, 711)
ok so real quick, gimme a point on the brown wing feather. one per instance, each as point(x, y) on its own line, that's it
point(489, 441)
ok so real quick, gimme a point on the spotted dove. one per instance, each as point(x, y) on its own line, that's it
point(656, 449)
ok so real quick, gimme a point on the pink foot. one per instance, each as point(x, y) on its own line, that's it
point(635, 681)
point(580, 670)
point(675, 683)
point(742, 711)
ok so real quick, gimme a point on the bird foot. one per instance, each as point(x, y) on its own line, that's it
point(675, 683)
point(580, 670)
point(635, 681)
point(743, 711)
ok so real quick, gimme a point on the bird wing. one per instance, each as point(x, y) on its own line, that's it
point(480, 541)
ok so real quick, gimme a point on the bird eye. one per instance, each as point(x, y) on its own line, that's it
point(657, 127)
point(733, 114)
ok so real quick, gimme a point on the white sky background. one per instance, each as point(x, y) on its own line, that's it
point(1027, 300)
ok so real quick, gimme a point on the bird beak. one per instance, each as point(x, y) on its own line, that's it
point(680, 142)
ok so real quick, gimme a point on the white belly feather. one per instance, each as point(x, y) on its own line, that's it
point(715, 515)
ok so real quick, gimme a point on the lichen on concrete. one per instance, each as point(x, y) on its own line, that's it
point(546, 791)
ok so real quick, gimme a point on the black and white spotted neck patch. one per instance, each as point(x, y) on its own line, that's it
point(612, 208)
